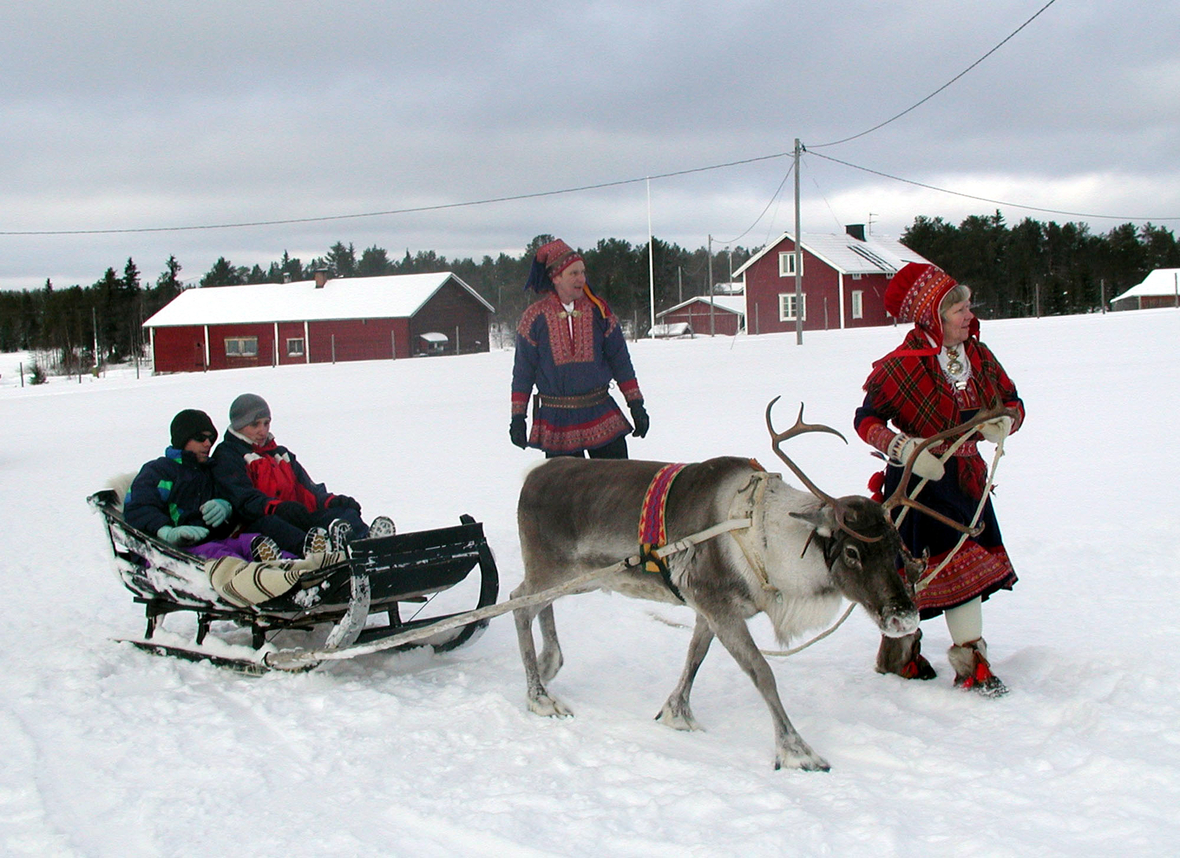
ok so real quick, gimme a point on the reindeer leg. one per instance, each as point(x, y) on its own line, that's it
point(551, 659)
point(539, 700)
point(790, 749)
point(676, 712)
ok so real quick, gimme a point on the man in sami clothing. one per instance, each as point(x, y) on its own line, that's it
point(569, 346)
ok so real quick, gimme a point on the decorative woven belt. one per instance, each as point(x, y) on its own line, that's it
point(595, 397)
point(968, 449)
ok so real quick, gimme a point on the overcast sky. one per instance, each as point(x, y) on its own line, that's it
point(151, 115)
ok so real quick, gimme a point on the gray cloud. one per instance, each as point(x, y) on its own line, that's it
point(158, 114)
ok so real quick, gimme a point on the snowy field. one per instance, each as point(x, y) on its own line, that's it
point(108, 751)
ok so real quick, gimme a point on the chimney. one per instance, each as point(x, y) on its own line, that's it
point(321, 277)
point(856, 230)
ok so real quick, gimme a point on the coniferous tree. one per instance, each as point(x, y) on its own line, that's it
point(223, 273)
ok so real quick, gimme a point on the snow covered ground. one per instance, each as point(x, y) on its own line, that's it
point(108, 751)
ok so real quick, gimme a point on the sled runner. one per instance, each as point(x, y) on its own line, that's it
point(387, 575)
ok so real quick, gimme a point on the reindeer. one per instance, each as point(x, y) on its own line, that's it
point(800, 555)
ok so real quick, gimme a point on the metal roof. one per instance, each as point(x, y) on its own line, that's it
point(396, 296)
point(848, 255)
point(726, 303)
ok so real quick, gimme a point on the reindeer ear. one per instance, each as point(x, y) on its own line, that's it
point(821, 518)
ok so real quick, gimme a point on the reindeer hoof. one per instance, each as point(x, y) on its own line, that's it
point(805, 760)
point(677, 719)
point(550, 707)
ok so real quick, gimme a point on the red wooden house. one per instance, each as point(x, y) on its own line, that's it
point(319, 321)
point(844, 280)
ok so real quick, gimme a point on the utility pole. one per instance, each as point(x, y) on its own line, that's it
point(651, 264)
point(712, 320)
point(798, 255)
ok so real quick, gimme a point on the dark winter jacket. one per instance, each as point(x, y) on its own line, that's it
point(257, 479)
point(170, 491)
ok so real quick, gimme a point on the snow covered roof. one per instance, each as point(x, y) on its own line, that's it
point(396, 296)
point(848, 255)
point(728, 303)
point(1162, 281)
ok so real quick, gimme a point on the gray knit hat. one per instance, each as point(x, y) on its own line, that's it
point(246, 409)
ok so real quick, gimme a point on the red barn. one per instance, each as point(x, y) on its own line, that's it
point(1161, 288)
point(844, 280)
point(726, 317)
point(319, 321)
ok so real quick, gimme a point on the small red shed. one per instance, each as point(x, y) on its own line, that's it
point(726, 317)
point(318, 321)
point(1161, 288)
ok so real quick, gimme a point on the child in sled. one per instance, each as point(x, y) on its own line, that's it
point(175, 499)
point(271, 491)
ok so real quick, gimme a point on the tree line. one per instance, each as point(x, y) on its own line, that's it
point(1031, 269)
point(1039, 269)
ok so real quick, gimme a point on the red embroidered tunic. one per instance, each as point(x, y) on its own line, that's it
point(566, 354)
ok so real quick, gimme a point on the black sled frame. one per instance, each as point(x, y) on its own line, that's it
point(378, 576)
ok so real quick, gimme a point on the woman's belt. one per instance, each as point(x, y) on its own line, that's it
point(595, 397)
point(968, 448)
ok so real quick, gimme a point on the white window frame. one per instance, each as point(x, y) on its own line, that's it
point(295, 346)
point(786, 306)
point(241, 346)
point(786, 264)
point(858, 303)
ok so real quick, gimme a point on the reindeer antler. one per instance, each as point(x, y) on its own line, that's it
point(900, 497)
point(800, 428)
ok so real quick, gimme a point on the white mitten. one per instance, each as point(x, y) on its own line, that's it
point(927, 466)
point(996, 429)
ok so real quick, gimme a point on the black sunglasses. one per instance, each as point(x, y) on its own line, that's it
point(206, 436)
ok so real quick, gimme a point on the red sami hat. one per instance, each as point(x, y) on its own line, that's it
point(914, 293)
point(557, 256)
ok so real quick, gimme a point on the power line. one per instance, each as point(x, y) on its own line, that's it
point(941, 88)
point(987, 199)
point(761, 215)
point(413, 210)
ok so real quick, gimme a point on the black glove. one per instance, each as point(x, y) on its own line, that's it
point(344, 501)
point(295, 513)
point(639, 415)
point(517, 432)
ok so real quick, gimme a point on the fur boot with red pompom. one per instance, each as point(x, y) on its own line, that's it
point(903, 656)
point(973, 672)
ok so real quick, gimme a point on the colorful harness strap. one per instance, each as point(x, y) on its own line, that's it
point(653, 532)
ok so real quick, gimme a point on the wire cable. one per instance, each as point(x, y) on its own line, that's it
point(941, 88)
point(412, 210)
point(762, 214)
point(988, 199)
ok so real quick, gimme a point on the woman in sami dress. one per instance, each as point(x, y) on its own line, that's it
point(939, 377)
